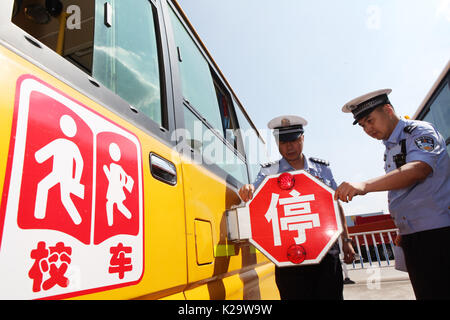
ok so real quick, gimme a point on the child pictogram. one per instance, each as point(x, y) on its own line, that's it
point(66, 160)
point(118, 179)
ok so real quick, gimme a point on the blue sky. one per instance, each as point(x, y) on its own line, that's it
point(308, 58)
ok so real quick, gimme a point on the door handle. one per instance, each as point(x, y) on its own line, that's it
point(163, 169)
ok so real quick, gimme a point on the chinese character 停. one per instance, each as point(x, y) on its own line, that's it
point(297, 216)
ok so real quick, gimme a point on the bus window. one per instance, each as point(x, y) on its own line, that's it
point(126, 58)
point(74, 40)
point(439, 112)
point(196, 79)
point(208, 110)
point(255, 149)
point(229, 123)
point(212, 149)
point(123, 60)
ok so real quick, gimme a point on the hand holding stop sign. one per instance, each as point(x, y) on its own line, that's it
point(293, 218)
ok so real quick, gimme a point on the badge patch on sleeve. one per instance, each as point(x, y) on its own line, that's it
point(425, 143)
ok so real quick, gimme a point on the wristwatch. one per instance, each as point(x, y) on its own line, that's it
point(347, 240)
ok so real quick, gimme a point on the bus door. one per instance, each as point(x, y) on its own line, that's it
point(213, 168)
point(90, 184)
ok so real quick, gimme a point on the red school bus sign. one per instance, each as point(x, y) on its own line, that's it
point(293, 219)
point(71, 219)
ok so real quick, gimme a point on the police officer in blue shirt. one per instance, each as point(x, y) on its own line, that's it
point(417, 176)
point(324, 280)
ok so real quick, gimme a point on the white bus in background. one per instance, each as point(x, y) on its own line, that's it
point(435, 108)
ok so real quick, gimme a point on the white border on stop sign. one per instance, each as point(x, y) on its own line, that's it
point(325, 249)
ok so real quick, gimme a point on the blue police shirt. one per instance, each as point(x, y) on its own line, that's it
point(317, 168)
point(425, 205)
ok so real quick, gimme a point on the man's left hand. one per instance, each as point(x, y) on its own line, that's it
point(349, 252)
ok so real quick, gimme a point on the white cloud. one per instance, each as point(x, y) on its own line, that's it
point(443, 9)
point(373, 21)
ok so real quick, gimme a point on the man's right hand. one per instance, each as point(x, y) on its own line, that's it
point(246, 192)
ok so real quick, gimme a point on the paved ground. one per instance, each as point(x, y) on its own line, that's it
point(378, 283)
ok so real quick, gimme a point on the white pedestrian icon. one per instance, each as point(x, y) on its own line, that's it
point(64, 153)
point(118, 179)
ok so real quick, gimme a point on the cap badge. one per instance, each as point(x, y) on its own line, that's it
point(285, 122)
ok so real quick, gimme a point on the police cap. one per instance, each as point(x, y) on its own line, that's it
point(365, 104)
point(287, 128)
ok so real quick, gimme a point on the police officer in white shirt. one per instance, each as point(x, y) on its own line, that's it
point(417, 176)
point(324, 280)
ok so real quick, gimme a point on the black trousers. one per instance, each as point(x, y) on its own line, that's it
point(322, 281)
point(427, 258)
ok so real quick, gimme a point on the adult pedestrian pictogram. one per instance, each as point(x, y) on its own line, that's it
point(66, 159)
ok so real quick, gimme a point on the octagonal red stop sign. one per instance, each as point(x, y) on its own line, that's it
point(299, 217)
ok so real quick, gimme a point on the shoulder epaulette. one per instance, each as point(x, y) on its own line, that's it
point(268, 164)
point(410, 128)
point(324, 162)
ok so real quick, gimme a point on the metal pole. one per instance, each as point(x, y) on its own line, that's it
point(367, 249)
point(376, 249)
point(359, 252)
point(384, 249)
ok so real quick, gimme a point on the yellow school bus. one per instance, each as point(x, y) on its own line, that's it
point(122, 147)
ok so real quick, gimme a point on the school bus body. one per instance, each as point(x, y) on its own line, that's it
point(185, 252)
